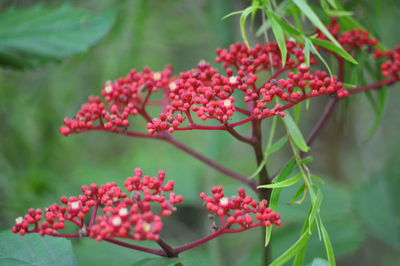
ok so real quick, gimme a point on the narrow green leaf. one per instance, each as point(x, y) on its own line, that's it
point(330, 46)
point(315, 209)
point(293, 250)
point(279, 35)
point(315, 51)
point(307, 160)
point(286, 183)
point(243, 19)
point(286, 26)
point(297, 194)
point(286, 170)
point(276, 146)
point(328, 245)
point(307, 10)
point(318, 179)
point(233, 14)
point(295, 132)
point(276, 192)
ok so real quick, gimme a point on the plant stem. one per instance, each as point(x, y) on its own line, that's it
point(235, 175)
point(155, 251)
point(263, 179)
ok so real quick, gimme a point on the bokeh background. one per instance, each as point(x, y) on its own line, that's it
point(37, 164)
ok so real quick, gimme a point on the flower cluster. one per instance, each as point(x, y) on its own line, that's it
point(354, 39)
point(390, 67)
point(123, 97)
point(123, 215)
point(241, 210)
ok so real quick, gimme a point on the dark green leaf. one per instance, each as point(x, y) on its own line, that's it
point(37, 35)
point(33, 249)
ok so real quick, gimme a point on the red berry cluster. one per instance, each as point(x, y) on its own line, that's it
point(295, 88)
point(351, 40)
point(390, 67)
point(122, 215)
point(242, 209)
point(260, 57)
point(124, 97)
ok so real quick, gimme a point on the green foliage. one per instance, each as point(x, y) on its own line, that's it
point(37, 35)
point(35, 250)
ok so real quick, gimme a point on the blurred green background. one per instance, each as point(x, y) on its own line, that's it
point(38, 165)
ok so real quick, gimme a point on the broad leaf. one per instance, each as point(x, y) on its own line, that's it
point(33, 249)
point(39, 34)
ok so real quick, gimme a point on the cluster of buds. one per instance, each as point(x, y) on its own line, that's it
point(125, 215)
point(123, 97)
point(390, 67)
point(354, 39)
point(241, 210)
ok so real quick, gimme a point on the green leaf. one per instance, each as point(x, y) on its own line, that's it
point(296, 195)
point(315, 51)
point(233, 14)
point(328, 245)
point(293, 250)
point(276, 146)
point(33, 249)
point(37, 35)
point(274, 199)
point(315, 209)
point(307, 10)
point(279, 35)
point(286, 183)
point(243, 19)
point(330, 46)
point(294, 132)
point(286, 26)
point(318, 179)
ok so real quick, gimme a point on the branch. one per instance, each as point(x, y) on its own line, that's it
point(155, 251)
point(377, 85)
point(235, 175)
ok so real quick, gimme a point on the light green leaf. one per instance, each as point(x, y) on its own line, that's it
point(279, 35)
point(315, 209)
point(276, 146)
point(274, 199)
point(307, 10)
point(233, 14)
point(294, 132)
point(37, 35)
point(315, 51)
point(297, 194)
point(243, 19)
point(330, 46)
point(286, 183)
point(286, 26)
point(293, 250)
point(33, 249)
point(328, 245)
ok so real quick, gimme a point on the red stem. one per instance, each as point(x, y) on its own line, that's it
point(155, 251)
point(200, 241)
point(377, 85)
